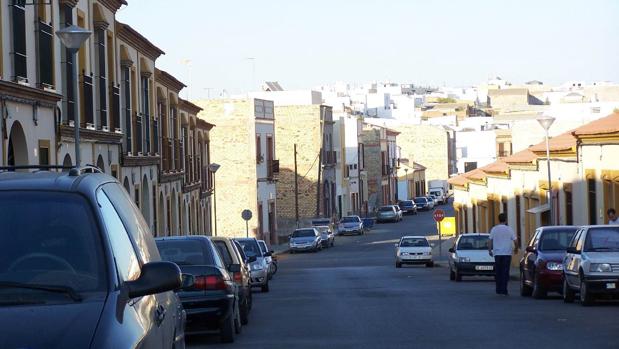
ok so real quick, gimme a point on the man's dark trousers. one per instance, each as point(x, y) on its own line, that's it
point(502, 265)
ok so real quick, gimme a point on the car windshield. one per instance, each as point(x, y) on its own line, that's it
point(414, 242)
point(323, 229)
point(350, 220)
point(263, 246)
point(52, 239)
point(556, 240)
point(478, 242)
point(185, 252)
point(421, 200)
point(602, 239)
point(303, 233)
point(386, 209)
point(251, 248)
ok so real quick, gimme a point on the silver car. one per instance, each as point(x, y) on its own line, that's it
point(350, 225)
point(267, 256)
point(389, 213)
point(591, 264)
point(326, 235)
point(305, 239)
point(259, 269)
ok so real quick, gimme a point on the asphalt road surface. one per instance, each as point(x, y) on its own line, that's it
point(352, 296)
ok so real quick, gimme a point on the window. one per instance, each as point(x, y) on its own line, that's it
point(66, 16)
point(18, 16)
point(592, 201)
point(518, 219)
point(146, 112)
point(470, 166)
point(126, 79)
point(43, 152)
point(127, 265)
point(101, 65)
point(258, 150)
point(569, 215)
point(270, 150)
point(45, 37)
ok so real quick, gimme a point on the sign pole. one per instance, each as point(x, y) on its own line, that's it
point(246, 229)
point(440, 241)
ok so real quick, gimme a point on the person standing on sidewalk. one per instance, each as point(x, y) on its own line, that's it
point(612, 217)
point(501, 245)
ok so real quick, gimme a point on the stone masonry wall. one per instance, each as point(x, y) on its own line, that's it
point(426, 145)
point(233, 146)
point(373, 165)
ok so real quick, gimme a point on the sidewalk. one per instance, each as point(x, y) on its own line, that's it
point(280, 249)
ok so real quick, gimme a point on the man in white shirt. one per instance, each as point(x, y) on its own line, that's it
point(612, 217)
point(502, 244)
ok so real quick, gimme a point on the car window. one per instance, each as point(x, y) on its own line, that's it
point(602, 239)
point(50, 238)
point(250, 247)
point(555, 240)
point(386, 209)
point(535, 238)
point(216, 255)
point(239, 249)
point(134, 222)
point(223, 251)
point(478, 242)
point(414, 242)
point(581, 240)
point(185, 252)
point(127, 265)
point(303, 233)
point(263, 246)
point(421, 200)
point(350, 220)
point(575, 239)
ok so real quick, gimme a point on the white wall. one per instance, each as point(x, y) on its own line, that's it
point(475, 146)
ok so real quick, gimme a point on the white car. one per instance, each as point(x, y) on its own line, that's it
point(413, 250)
point(469, 256)
point(591, 264)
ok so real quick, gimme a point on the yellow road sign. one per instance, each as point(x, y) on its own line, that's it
point(448, 226)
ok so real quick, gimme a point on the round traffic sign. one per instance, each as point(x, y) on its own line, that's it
point(246, 214)
point(438, 215)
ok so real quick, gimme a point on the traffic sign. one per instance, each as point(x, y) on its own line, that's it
point(438, 215)
point(246, 215)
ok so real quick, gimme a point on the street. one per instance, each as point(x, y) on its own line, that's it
point(352, 296)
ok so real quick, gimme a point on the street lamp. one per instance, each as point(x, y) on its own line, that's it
point(408, 191)
point(213, 168)
point(546, 121)
point(72, 38)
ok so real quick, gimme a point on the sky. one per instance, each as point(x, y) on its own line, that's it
point(234, 45)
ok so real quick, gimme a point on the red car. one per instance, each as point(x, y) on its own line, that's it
point(541, 267)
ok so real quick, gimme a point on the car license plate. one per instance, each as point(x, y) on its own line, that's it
point(611, 286)
point(484, 267)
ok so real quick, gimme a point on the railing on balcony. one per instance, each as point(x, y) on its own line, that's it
point(46, 70)
point(115, 107)
point(177, 155)
point(139, 132)
point(88, 100)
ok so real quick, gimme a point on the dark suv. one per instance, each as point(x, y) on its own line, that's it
point(79, 267)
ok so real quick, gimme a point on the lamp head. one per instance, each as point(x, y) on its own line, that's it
point(213, 167)
point(545, 121)
point(73, 37)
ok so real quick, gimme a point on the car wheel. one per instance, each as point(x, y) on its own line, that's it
point(238, 326)
point(568, 293)
point(227, 330)
point(398, 265)
point(265, 288)
point(458, 276)
point(452, 275)
point(525, 290)
point(538, 290)
point(586, 299)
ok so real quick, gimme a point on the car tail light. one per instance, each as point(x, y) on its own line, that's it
point(210, 282)
point(238, 278)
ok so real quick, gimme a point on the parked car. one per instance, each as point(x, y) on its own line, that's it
point(259, 268)
point(351, 225)
point(213, 302)
point(268, 257)
point(591, 264)
point(433, 199)
point(326, 235)
point(85, 272)
point(413, 250)
point(541, 267)
point(469, 256)
point(398, 210)
point(305, 239)
point(388, 213)
point(234, 260)
point(422, 203)
point(408, 207)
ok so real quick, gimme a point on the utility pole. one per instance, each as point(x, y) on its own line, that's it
point(318, 184)
point(296, 187)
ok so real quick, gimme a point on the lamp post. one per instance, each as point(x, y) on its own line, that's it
point(72, 38)
point(546, 121)
point(408, 191)
point(213, 168)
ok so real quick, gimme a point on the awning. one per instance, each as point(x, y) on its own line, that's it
point(539, 209)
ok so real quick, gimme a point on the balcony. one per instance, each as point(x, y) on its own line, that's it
point(272, 169)
point(166, 149)
point(177, 156)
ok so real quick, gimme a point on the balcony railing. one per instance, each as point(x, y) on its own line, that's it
point(46, 70)
point(88, 100)
point(177, 155)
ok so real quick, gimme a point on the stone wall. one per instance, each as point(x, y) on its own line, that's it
point(373, 165)
point(427, 145)
point(233, 146)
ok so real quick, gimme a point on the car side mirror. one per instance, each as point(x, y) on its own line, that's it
point(251, 259)
point(234, 268)
point(572, 250)
point(397, 245)
point(452, 250)
point(531, 249)
point(155, 277)
point(188, 281)
point(268, 254)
